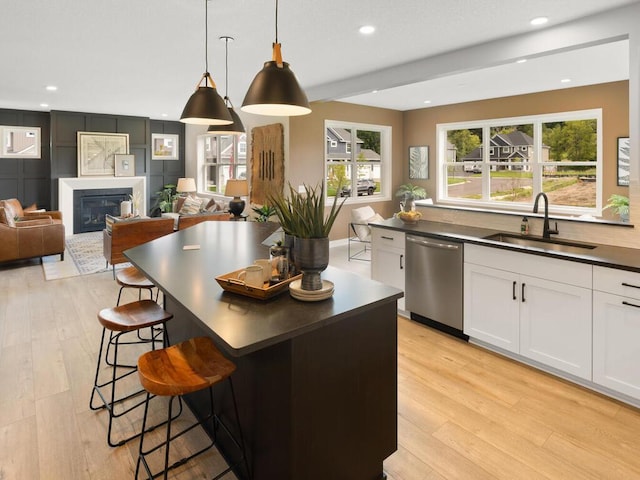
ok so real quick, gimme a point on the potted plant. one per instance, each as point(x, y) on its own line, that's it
point(409, 194)
point(264, 212)
point(619, 204)
point(165, 198)
point(302, 216)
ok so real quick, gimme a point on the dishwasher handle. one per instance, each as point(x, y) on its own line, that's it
point(428, 243)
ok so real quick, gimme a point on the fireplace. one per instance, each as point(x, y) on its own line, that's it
point(91, 206)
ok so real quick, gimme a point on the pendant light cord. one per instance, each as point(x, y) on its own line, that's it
point(276, 21)
point(206, 37)
point(226, 69)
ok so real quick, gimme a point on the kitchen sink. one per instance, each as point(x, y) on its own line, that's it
point(539, 242)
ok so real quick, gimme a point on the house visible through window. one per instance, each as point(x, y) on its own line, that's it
point(221, 157)
point(558, 154)
point(357, 160)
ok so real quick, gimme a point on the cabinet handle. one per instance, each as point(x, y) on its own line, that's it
point(513, 291)
point(401, 265)
point(386, 238)
point(523, 299)
point(625, 284)
point(630, 304)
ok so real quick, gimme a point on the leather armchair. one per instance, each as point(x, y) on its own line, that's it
point(25, 234)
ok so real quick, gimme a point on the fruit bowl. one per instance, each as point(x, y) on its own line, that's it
point(409, 218)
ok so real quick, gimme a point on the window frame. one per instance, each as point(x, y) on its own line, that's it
point(537, 165)
point(240, 151)
point(386, 149)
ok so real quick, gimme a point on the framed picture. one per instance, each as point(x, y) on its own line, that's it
point(19, 142)
point(96, 152)
point(419, 162)
point(164, 146)
point(125, 165)
point(623, 161)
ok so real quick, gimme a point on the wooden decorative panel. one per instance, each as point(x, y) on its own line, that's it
point(267, 161)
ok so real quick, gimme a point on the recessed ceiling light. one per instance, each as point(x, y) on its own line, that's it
point(427, 101)
point(374, 91)
point(565, 80)
point(539, 21)
point(521, 60)
point(51, 88)
point(44, 104)
point(367, 29)
point(164, 115)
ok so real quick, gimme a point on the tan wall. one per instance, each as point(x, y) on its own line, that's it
point(613, 98)
point(306, 151)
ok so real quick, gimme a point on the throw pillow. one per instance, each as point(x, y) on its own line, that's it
point(360, 217)
point(5, 218)
point(178, 203)
point(190, 206)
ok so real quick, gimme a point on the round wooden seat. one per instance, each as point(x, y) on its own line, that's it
point(183, 368)
point(133, 316)
point(132, 277)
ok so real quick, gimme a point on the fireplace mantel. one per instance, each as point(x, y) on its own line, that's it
point(66, 186)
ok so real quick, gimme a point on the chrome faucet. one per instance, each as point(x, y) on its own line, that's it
point(546, 231)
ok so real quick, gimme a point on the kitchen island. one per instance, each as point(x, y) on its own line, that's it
point(316, 383)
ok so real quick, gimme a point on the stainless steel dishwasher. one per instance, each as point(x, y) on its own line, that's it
point(434, 282)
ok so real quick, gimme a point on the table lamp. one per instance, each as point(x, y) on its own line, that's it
point(186, 185)
point(236, 189)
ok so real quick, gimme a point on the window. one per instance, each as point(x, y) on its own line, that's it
point(361, 157)
point(559, 154)
point(222, 157)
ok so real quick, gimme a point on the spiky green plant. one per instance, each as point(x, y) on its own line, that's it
point(302, 214)
point(409, 190)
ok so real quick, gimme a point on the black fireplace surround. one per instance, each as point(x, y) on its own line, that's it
point(91, 206)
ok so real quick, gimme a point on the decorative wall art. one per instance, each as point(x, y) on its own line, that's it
point(96, 152)
point(164, 146)
point(419, 162)
point(623, 161)
point(125, 165)
point(19, 142)
point(267, 161)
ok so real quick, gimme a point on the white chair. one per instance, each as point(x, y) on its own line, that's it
point(360, 231)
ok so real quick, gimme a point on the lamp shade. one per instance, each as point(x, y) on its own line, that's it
point(206, 107)
point(236, 188)
point(235, 127)
point(186, 185)
point(275, 91)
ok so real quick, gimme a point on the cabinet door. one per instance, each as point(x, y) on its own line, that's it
point(491, 302)
point(387, 266)
point(555, 325)
point(616, 343)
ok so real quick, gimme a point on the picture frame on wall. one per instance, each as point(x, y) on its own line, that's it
point(164, 146)
point(623, 161)
point(125, 165)
point(419, 162)
point(96, 152)
point(19, 142)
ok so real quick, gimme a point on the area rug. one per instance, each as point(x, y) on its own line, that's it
point(82, 256)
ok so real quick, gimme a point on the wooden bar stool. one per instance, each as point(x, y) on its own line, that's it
point(177, 370)
point(131, 317)
point(131, 277)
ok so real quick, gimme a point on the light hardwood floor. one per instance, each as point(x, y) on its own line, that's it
point(463, 413)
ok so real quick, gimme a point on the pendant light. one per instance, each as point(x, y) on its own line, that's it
point(275, 89)
point(236, 127)
point(205, 106)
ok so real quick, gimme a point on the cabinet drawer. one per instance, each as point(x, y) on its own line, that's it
point(382, 238)
point(618, 282)
point(556, 269)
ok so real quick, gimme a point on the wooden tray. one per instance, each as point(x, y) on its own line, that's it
point(230, 283)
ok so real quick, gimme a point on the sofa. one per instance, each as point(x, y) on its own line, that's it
point(122, 235)
point(29, 232)
point(191, 210)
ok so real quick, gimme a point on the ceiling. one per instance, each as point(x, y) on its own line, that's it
point(144, 57)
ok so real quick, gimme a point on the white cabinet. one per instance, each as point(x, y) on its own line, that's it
point(616, 330)
point(530, 305)
point(387, 258)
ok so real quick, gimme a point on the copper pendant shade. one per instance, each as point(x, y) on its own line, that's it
point(275, 89)
point(205, 106)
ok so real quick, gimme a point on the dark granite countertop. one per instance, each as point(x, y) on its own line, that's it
point(603, 255)
point(244, 324)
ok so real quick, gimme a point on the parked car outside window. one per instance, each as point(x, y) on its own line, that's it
point(364, 186)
